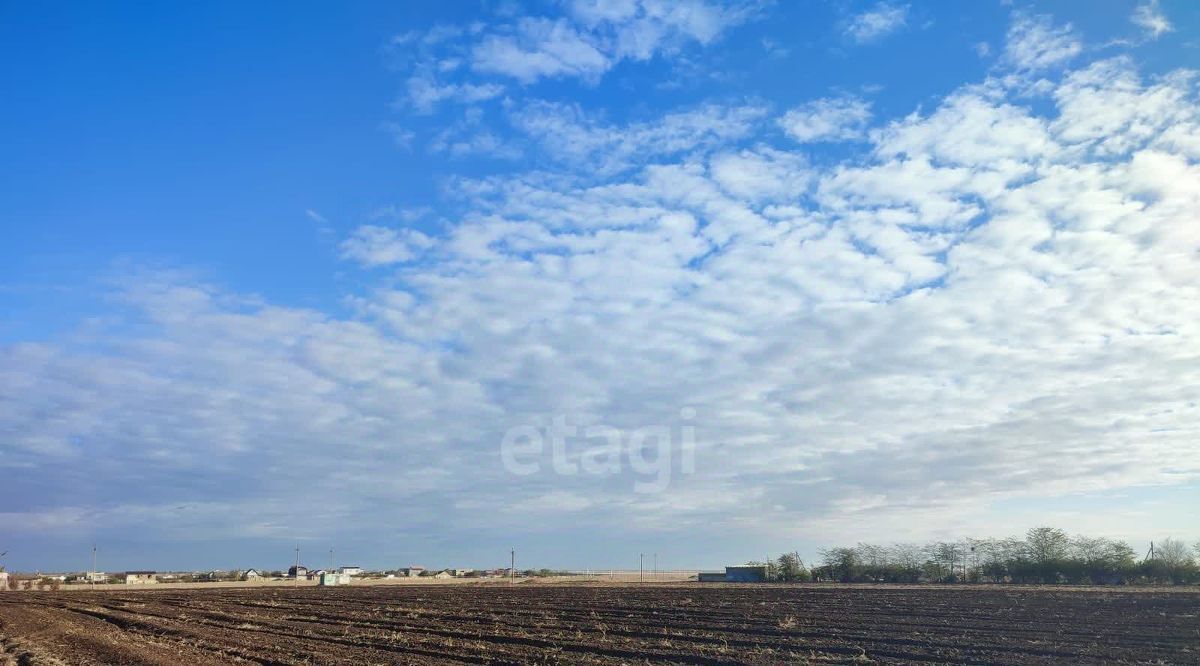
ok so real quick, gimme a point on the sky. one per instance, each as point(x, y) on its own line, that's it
point(424, 282)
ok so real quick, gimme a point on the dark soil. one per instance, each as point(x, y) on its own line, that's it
point(693, 624)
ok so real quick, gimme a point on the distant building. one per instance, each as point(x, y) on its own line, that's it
point(412, 572)
point(351, 570)
point(251, 574)
point(750, 573)
point(328, 579)
point(746, 574)
point(297, 572)
point(95, 577)
point(443, 574)
point(3, 581)
point(459, 573)
point(140, 577)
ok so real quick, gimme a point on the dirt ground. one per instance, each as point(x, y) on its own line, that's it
point(601, 624)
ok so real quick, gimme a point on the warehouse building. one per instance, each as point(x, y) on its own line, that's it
point(748, 573)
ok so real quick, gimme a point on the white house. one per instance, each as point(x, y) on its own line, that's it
point(351, 570)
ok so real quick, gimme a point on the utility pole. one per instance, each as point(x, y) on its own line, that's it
point(512, 566)
point(330, 560)
point(641, 556)
point(655, 574)
point(297, 569)
point(93, 576)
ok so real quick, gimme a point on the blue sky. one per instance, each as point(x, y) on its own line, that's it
point(291, 274)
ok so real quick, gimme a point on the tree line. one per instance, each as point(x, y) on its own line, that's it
point(1042, 555)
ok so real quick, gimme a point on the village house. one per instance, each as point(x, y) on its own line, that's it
point(140, 577)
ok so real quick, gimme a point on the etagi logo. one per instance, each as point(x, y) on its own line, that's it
point(599, 450)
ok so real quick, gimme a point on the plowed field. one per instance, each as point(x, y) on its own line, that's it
point(699, 624)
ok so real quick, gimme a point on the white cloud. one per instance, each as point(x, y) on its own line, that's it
point(571, 135)
point(586, 43)
point(881, 20)
point(540, 48)
point(1151, 20)
point(755, 175)
point(425, 93)
point(1106, 106)
point(970, 129)
point(639, 29)
point(830, 119)
point(372, 245)
point(1035, 43)
point(472, 136)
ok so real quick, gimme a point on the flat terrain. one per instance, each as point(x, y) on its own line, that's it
point(611, 624)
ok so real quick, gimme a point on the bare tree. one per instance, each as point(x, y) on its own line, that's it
point(842, 563)
point(1173, 553)
point(1047, 544)
point(791, 568)
point(944, 556)
point(908, 558)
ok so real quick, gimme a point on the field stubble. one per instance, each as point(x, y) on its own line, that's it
point(598, 624)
